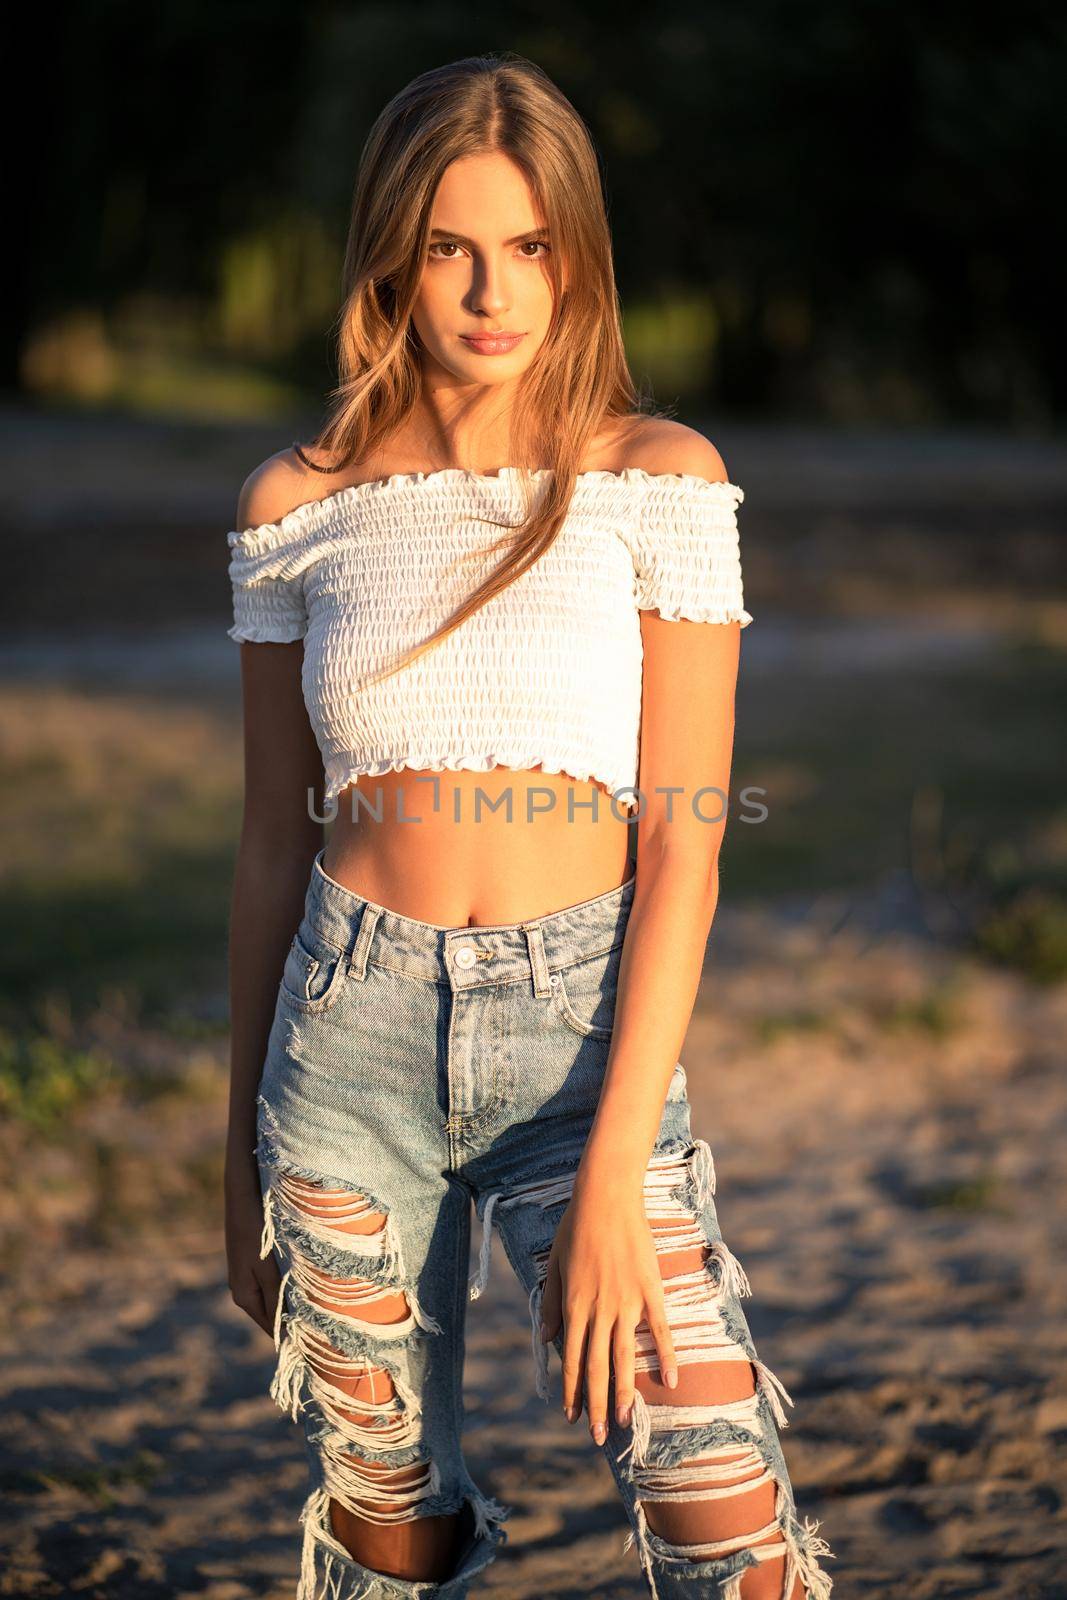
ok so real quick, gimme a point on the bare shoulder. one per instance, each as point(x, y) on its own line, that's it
point(664, 446)
point(277, 486)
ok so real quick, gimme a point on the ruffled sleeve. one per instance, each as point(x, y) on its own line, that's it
point(267, 566)
point(686, 550)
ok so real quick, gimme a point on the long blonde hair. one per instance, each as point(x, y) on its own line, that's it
point(497, 102)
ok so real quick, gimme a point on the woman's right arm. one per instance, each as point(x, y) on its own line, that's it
point(279, 839)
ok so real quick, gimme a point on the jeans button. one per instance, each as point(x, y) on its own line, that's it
point(465, 956)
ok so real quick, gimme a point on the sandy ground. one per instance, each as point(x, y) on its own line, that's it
point(889, 1122)
point(888, 1117)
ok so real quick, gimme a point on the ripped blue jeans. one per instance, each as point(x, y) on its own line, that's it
point(412, 1071)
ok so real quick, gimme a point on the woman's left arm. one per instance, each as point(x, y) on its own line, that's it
point(603, 1273)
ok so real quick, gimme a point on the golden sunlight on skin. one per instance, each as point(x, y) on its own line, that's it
point(482, 868)
point(486, 270)
point(701, 1521)
point(421, 844)
point(425, 1547)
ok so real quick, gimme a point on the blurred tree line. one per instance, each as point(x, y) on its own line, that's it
point(830, 210)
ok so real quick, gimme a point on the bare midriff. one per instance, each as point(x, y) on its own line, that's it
point(439, 857)
point(477, 849)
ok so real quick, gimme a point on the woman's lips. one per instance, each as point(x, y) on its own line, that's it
point(488, 344)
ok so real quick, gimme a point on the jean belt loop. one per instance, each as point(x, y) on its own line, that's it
point(368, 922)
point(535, 943)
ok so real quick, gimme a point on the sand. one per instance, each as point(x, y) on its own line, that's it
point(889, 1121)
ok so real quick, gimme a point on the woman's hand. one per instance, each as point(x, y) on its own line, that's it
point(254, 1282)
point(603, 1279)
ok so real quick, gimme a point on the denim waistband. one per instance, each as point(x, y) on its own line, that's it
point(464, 957)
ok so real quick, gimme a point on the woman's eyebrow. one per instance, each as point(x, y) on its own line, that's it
point(460, 238)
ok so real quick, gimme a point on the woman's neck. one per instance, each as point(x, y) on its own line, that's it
point(448, 428)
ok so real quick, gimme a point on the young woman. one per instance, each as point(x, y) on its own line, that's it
point(480, 999)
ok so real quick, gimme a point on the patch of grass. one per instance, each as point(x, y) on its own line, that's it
point(934, 1013)
point(1027, 932)
point(121, 814)
point(43, 1081)
point(187, 1029)
point(960, 1194)
point(158, 937)
point(782, 1023)
point(48, 1075)
point(844, 756)
point(100, 1482)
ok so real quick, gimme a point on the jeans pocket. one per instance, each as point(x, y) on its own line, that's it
point(584, 994)
point(315, 971)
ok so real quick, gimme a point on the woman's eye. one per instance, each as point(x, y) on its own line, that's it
point(527, 244)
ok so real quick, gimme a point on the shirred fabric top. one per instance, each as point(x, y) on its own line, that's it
point(547, 674)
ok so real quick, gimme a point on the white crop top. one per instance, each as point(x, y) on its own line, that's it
point(547, 674)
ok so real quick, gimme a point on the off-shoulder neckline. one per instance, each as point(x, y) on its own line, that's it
point(403, 480)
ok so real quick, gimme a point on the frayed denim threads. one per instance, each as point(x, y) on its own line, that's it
point(414, 1072)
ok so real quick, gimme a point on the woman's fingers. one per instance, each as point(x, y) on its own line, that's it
point(269, 1283)
point(603, 1295)
point(255, 1290)
point(552, 1300)
point(597, 1373)
point(661, 1333)
point(575, 1331)
point(625, 1359)
point(247, 1293)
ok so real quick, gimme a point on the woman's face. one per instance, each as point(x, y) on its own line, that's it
point(486, 271)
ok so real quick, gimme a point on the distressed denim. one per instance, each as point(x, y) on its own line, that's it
point(412, 1071)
